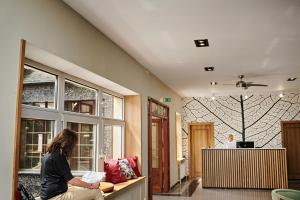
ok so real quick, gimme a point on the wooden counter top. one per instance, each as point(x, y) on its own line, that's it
point(123, 187)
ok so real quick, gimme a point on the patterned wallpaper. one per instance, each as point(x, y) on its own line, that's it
point(263, 114)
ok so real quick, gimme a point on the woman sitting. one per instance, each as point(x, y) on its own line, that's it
point(56, 173)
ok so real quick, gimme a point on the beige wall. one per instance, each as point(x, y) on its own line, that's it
point(54, 27)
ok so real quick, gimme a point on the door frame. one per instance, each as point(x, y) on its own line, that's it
point(283, 137)
point(166, 136)
point(211, 136)
point(282, 134)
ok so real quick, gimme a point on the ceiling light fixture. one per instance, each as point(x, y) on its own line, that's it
point(214, 83)
point(201, 43)
point(209, 69)
point(291, 79)
point(213, 97)
point(246, 96)
point(281, 95)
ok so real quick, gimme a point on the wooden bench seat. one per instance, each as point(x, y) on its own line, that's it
point(125, 187)
point(121, 188)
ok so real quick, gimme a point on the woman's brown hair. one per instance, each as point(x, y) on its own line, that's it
point(65, 141)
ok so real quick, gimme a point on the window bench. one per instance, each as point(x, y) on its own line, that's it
point(131, 189)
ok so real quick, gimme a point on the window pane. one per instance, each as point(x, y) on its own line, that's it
point(108, 137)
point(38, 88)
point(35, 135)
point(178, 136)
point(117, 142)
point(118, 108)
point(112, 106)
point(107, 105)
point(79, 98)
point(113, 141)
point(155, 144)
point(160, 110)
point(83, 155)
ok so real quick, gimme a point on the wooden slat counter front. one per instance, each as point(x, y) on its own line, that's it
point(244, 168)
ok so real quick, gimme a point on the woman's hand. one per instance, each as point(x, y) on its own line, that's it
point(95, 185)
point(79, 183)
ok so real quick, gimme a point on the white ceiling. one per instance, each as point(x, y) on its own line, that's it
point(257, 38)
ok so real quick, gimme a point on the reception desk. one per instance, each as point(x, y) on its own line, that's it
point(244, 168)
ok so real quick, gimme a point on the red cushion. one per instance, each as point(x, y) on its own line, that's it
point(113, 172)
point(133, 161)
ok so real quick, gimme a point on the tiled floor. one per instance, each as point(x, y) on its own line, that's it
point(219, 194)
point(187, 188)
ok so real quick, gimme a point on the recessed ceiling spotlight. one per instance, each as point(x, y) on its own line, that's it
point(201, 43)
point(291, 79)
point(213, 83)
point(209, 69)
point(281, 95)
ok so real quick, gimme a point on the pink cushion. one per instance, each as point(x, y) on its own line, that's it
point(133, 161)
point(113, 172)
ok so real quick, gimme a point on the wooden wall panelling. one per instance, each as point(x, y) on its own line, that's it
point(244, 168)
point(133, 127)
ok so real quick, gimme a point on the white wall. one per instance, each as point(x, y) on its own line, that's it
point(53, 26)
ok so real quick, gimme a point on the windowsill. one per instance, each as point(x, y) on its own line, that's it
point(37, 172)
point(30, 172)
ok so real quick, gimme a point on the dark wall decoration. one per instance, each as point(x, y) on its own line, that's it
point(262, 115)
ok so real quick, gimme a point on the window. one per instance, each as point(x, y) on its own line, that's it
point(108, 139)
point(113, 141)
point(112, 106)
point(113, 126)
point(79, 98)
point(53, 100)
point(155, 146)
point(35, 135)
point(83, 154)
point(39, 88)
point(178, 136)
point(158, 110)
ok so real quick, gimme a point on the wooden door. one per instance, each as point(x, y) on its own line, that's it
point(165, 155)
point(157, 157)
point(200, 136)
point(158, 148)
point(290, 141)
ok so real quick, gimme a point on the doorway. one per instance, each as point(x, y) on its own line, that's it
point(201, 135)
point(158, 147)
point(290, 134)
